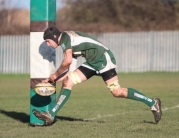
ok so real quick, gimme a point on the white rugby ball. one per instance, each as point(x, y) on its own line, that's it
point(45, 89)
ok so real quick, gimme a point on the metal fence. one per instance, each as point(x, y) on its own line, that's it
point(134, 52)
point(14, 54)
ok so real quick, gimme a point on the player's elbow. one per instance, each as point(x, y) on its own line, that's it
point(68, 62)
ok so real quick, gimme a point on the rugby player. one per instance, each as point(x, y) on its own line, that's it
point(99, 61)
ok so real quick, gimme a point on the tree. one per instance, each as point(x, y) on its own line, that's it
point(119, 15)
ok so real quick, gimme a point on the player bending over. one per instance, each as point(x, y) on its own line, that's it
point(99, 60)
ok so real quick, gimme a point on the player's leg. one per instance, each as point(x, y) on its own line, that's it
point(110, 77)
point(117, 91)
point(79, 75)
point(129, 93)
point(72, 79)
point(68, 82)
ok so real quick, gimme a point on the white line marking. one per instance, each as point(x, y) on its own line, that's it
point(99, 116)
point(165, 109)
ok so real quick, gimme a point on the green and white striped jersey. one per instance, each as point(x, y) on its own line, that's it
point(82, 45)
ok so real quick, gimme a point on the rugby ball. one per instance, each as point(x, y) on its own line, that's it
point(45, 89)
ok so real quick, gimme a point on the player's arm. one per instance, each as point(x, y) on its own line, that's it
point(67, 60)
point(65, 63)
point(63, 67)
point(72, 67)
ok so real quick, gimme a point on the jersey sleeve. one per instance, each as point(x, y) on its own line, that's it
point(65, 42)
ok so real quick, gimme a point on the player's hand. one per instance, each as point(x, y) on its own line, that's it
point(46, 80)
point(51, 79)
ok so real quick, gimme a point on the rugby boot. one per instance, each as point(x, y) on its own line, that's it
point(45, 116)
point(156, 110)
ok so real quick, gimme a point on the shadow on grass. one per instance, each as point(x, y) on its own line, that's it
point(150, 122)
point(72, 119)
point(22, 117)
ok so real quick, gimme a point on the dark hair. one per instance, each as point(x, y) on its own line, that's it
point(50, 32)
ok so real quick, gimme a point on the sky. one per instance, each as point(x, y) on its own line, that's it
point(24, 3)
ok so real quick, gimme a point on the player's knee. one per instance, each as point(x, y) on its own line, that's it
point(71, 80)
point(67, 83)
point(115, 89)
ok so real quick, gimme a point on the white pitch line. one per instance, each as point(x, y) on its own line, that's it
point(165, 109)
point(99, 116)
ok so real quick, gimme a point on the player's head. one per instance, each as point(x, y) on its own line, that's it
point(52, 33)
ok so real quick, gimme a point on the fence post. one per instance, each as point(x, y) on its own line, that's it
point(42, 57)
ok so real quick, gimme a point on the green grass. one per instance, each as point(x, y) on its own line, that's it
point(91, 111)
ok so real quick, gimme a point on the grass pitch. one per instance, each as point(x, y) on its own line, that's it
point(91, 111)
